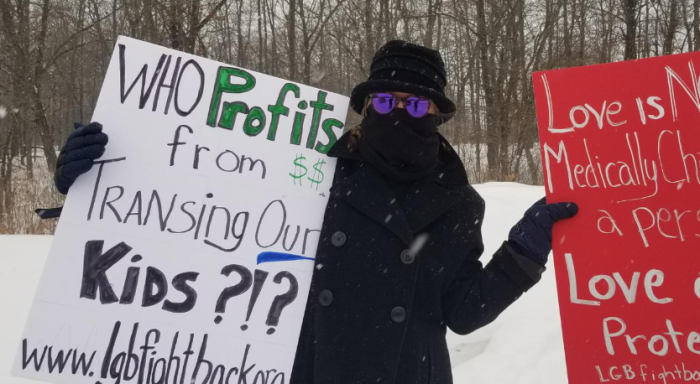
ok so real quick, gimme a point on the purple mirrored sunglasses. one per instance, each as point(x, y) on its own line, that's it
point(416, 106)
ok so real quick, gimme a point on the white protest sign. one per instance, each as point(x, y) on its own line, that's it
point(185, 255)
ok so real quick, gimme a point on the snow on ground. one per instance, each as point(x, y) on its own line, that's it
point(523, 346)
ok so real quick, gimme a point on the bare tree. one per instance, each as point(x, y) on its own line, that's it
point(629, 9)
point(55, 54)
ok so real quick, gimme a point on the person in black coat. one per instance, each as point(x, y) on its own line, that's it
point(398, 256)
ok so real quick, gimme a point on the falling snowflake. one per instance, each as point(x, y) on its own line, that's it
point(419, 242)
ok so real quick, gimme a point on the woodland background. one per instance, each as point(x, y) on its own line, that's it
point(54, 54)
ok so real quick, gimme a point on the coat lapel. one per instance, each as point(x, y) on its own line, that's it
point(367, 192)
point(426, 200)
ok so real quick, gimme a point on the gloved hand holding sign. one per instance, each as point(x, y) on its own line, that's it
point(532, 235)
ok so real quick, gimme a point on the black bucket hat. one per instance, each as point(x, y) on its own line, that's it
point(401, 66)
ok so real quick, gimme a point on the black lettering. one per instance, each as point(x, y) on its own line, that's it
point(26, 360)
point(116, 369)
point(201, 360)
point(136, 204)
point(130, 283)
point(198, 149)
point(192, 219)
point(243, 378)
point(238, 235)
point(173, 359)
point(180, 284)
point(145, 348)
point(145, 92)
point(199, 221)
point(199, 91)
point(211, 217)
point(97, 182)
point(188, 352)
point(95, 265)
point(284, 240)
point(253, 163)
point(153, 369)
point(131, 356)
point(306, 238)
point(176, 142)
point(171, 86)
point(163, 220)
point(109, 203)
point(262, 218)
point(154, 278)
point(218, 161)
point(110, 349)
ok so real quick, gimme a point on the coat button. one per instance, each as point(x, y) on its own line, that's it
point(338, 239)
point(398, 314)
point(408, 257)
point(325, 298)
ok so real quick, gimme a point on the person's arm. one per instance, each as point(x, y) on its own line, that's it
point(82, 147)
point(477, 295)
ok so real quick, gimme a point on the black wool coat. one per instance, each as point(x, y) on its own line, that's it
point(392, 274)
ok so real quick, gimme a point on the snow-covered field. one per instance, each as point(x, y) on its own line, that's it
point(523, 346)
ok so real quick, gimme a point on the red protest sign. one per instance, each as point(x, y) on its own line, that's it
point(622, 140)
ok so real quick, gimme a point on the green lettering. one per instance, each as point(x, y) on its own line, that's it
point(224, 85)
point(298, 128)
point(255, 114)
point(318, 105)
point(279, 108)
point(228, 116)
point(328, 126)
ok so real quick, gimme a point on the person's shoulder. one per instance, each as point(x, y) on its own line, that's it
point(345, 168)
point(472, 195)
point(469, 198)
point(453, 177)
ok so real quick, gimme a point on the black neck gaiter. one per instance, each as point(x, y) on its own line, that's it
point(400, 146)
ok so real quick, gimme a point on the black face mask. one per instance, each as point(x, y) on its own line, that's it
point(400, 146)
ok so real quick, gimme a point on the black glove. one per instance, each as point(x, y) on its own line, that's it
point(85, 144)
point(532, 235)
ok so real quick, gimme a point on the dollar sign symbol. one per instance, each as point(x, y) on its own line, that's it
point(318, 174)
point(299, 167)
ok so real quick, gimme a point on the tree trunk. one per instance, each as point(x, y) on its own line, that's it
point(39, 112)
point(291, 38)
point(241, 57)
point(430, 25)
point(630, 11)
point(482, 38)
point(696, 23)
point(567, 34)
point(260, 52)
point(582, 33)
point(370, 40)
point(671, 29)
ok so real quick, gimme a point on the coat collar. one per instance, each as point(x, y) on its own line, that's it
point(366, 190)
